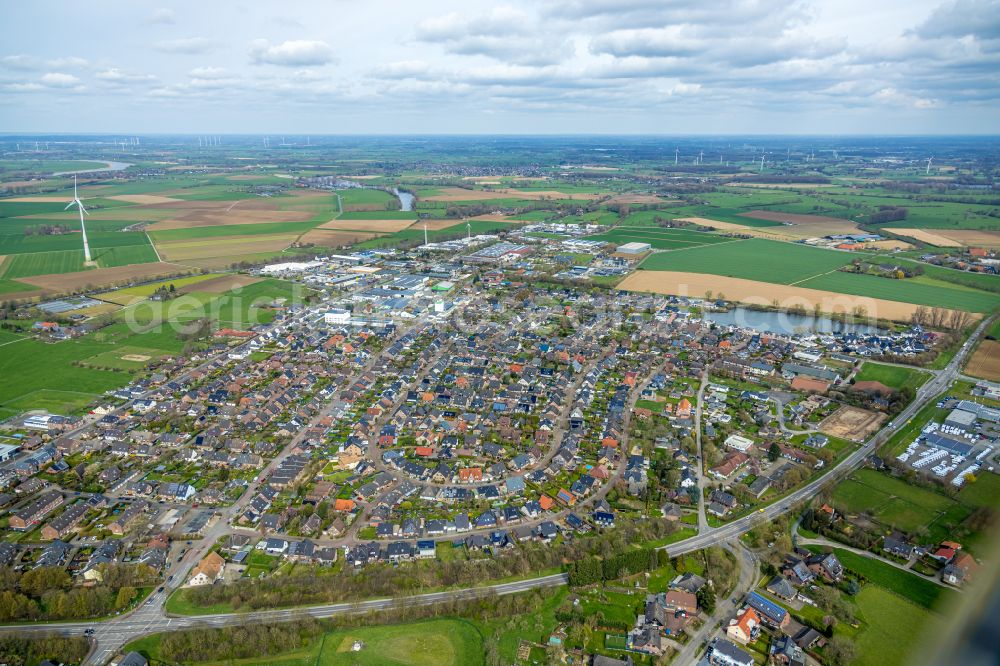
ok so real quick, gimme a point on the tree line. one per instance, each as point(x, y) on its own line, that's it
point(48, 593)
point(308, 585)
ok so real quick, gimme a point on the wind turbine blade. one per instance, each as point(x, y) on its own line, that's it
point(69, 205)
point(82, 208)
point(75, 197)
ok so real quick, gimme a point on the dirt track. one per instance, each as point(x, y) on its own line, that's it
point(695, 285)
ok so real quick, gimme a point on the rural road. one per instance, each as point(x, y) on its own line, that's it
point(151, 618)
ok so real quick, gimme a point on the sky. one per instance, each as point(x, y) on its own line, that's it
point(518, 67)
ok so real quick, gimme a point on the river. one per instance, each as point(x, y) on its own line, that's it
point(405, 199)
point(109, 166)
point(784, 322)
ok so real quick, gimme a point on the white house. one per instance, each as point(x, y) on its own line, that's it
point(738, 442)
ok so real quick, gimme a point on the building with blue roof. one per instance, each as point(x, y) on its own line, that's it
point(768, 610)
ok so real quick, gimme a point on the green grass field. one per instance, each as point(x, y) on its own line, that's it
point(893, 628)
point(661, 239)
point(446, 642)
point(898, 504)
point(891, 375)
point(912, 587)
point(13, 286)
point(815, 268)
point(41, 366)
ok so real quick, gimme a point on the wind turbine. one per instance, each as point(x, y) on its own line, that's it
point(928, 172)
point(83, 227)
point(468, 228)
point(677, 152)
point(761, 162)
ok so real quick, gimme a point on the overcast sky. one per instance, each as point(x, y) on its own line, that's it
point(542, 66)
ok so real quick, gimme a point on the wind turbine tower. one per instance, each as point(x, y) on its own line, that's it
point(677, 152)
point(761, 162)
point(425, 233)
point(468, 229)
point(83, 227)
point(928, 172)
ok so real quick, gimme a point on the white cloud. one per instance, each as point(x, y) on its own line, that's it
point(186, 45)
point(292, 53)
point(25, 62)
point(18, 61)
point(208, 73)
point(116, 76)
point(163, 15)
point(59, 80)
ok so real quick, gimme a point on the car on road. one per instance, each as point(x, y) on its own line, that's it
point(760, 510)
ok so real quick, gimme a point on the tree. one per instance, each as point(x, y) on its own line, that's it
point(125, 596)
point(841, 651)
point(706, 598)
point(774, 452)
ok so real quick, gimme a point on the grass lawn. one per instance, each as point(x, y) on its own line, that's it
point(893, 628)
point(898, 504)
point(179, 604)
point(917, 590)
point(49, 368)
point(431, 643)
point(891, 375)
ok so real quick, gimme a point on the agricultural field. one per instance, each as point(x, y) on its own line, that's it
point(414, 235)
point(815, 268)
point(661, 239)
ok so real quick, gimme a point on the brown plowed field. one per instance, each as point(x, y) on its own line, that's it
point(104, 276)
point(792, 218)
point(222, 218)
point(695, 285)
point(637, 199)
point(974, 237)
point(336, 238)
point(234, 247)
point(459, 194)
point(385, 226)
point(927, 236)
point(143, 199)
point(985, 362)
point(221, 284)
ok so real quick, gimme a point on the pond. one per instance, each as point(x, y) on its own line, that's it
point(786, 323)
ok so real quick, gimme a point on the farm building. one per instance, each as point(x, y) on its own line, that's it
point(633, 248)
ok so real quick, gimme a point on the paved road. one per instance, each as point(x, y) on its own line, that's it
point(724, 607)
point(150, 618)
point(702, 480)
